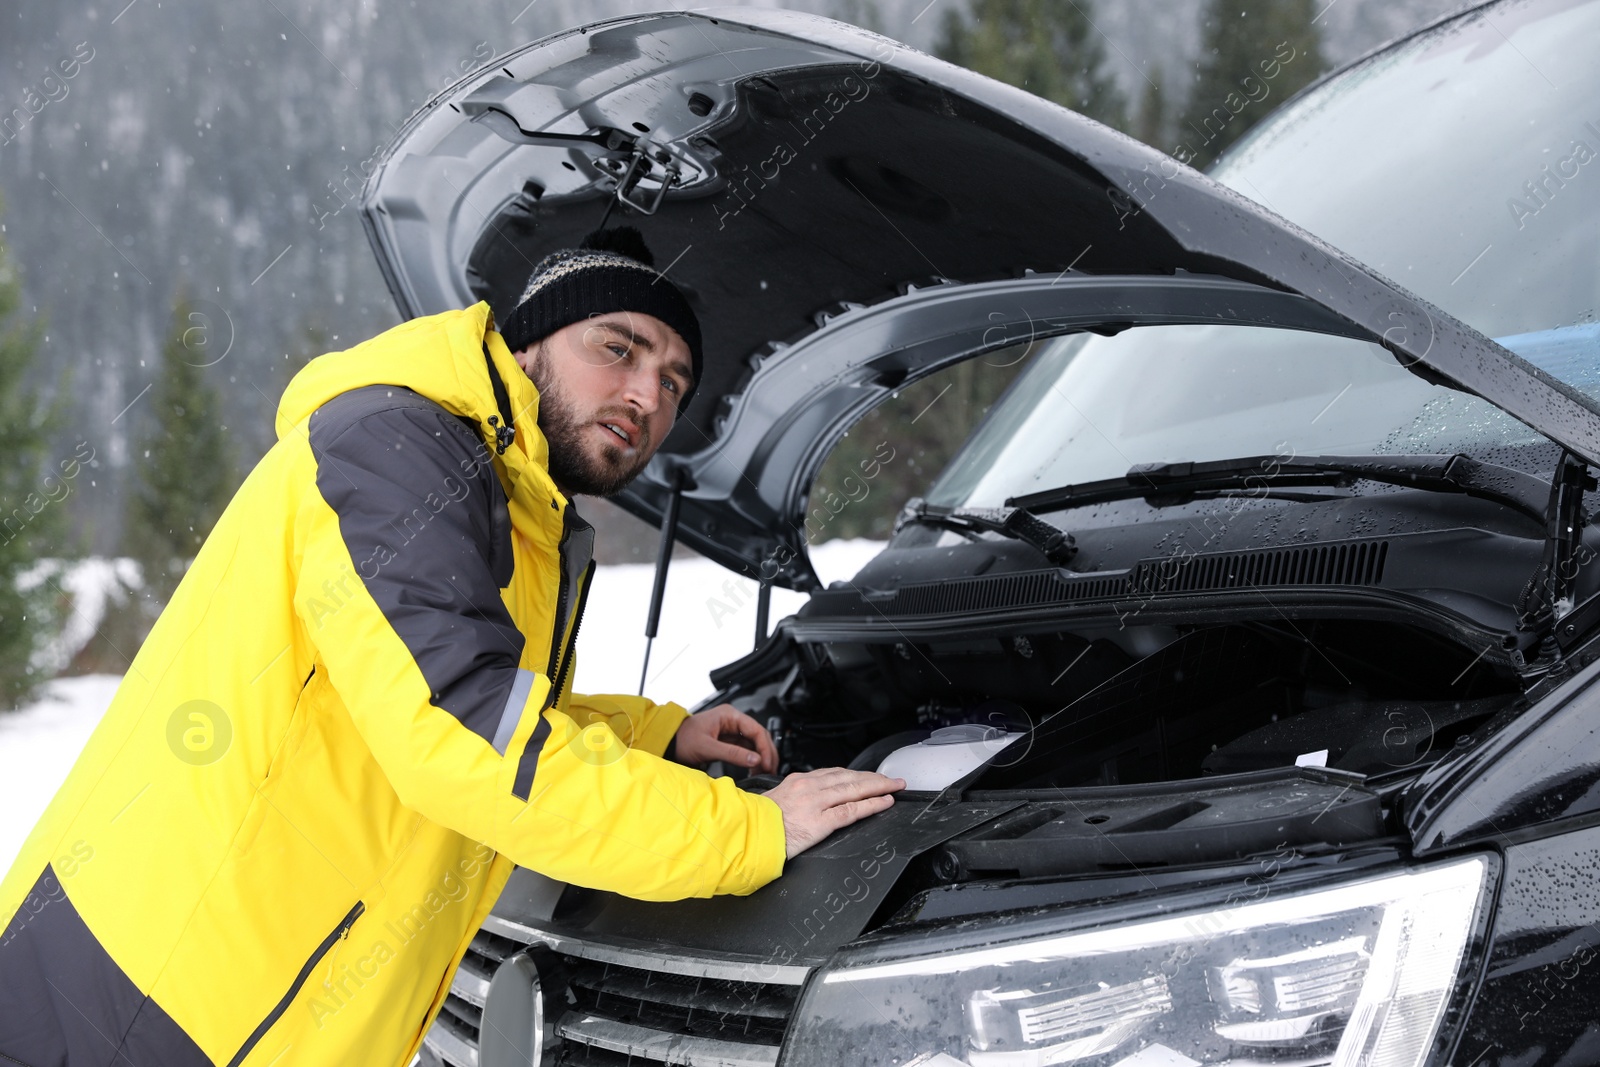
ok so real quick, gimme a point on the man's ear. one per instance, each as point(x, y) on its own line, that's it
point(527, 358)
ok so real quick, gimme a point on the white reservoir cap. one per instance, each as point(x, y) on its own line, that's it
point(949, 754)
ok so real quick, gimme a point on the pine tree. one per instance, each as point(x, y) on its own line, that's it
point(1047, 47)
point(895, 451)
point(1253, 55)
point(29, 496)
point(1051, 49)
point(185, 464)
point(310, 340)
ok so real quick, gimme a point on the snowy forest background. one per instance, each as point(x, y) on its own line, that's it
point(178, 235)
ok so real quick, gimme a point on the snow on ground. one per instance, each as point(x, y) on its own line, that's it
point(707, 619)
point(37, 748)
point(93, 584)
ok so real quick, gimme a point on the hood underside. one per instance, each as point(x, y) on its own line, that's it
point(847, 215)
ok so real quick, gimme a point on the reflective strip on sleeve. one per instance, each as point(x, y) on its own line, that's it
point(513, 710)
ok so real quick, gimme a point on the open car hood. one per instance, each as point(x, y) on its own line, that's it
point(847, 214)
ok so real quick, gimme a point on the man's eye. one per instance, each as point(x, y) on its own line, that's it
point(621, 350)
point(670, 384)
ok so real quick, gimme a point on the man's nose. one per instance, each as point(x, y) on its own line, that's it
point(642, 389)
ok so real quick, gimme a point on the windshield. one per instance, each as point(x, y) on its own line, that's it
point(1465, 165)
point(1089, 407)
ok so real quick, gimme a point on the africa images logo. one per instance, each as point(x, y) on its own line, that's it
point(51, 88)
point(199, 732)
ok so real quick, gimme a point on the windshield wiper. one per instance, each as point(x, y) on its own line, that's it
point(1167, 484)
point(1016, 523)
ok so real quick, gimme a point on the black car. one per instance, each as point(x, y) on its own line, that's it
point(1243, 659)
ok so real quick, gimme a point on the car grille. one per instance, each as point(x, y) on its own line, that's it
point(627, 1008)
point(454, 1036)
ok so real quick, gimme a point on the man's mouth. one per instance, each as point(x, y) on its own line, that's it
point(624, 431)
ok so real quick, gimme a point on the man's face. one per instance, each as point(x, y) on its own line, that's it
point(608, 388)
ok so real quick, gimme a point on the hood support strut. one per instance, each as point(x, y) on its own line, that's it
point(669, 533)
point(763, 609)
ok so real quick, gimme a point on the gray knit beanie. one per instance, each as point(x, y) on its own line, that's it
point(611, 270)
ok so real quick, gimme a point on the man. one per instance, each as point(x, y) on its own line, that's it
point(355, 714)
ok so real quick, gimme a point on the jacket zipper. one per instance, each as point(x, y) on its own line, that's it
point(572, 643)
point(338, 933)
point(561, 608)
point(561, 657)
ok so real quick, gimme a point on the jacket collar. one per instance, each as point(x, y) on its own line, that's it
point(441, 357)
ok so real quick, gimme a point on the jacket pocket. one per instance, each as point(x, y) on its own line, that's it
point(299, 980)
point(261, 804)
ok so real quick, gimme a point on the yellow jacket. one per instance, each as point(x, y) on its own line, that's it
point(349, 723)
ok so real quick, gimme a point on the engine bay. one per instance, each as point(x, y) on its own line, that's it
point(1086, 708)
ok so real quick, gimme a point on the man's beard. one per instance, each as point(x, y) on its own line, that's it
point(571, 465)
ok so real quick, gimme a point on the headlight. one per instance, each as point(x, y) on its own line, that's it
point(1354, 974)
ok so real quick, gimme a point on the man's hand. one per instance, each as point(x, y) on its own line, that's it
point(700, 740)
point(816, 803)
